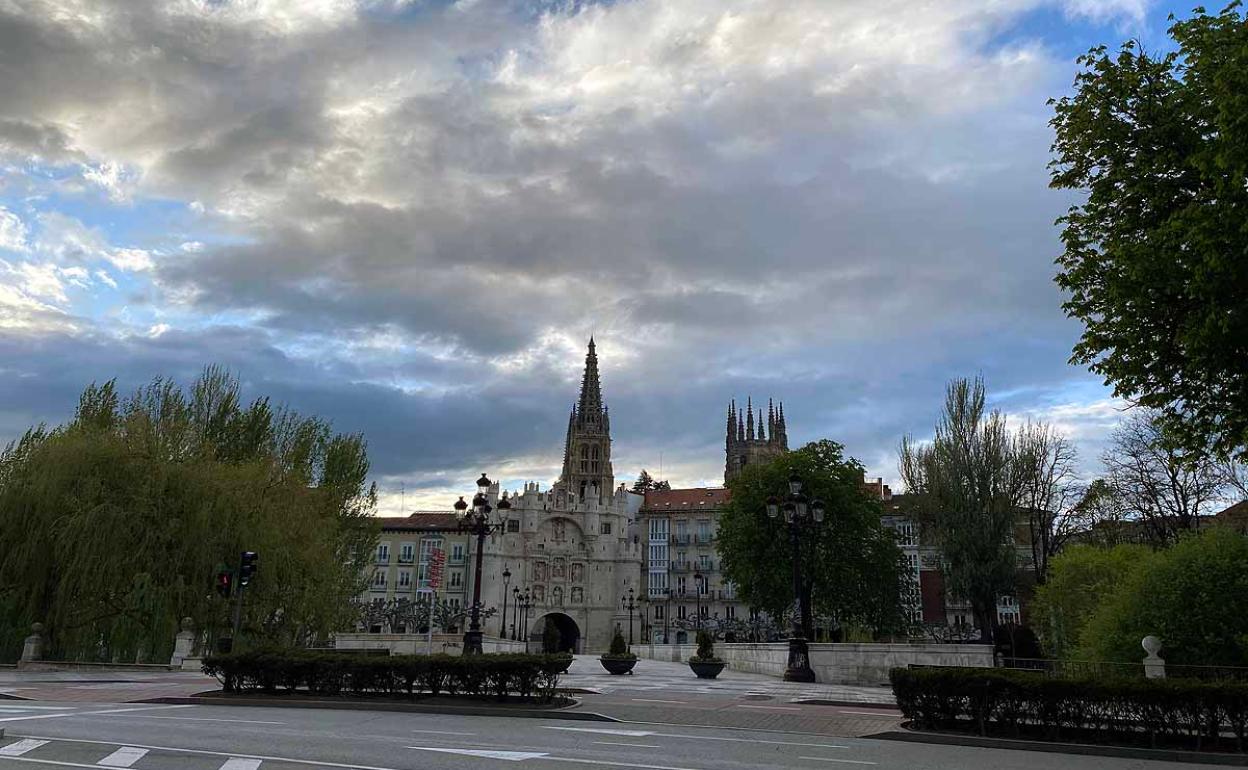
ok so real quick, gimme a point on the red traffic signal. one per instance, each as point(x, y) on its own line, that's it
point(225, 583)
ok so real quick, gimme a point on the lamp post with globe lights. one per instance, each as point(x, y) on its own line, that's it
point(476, 521)
point(629, 605)
point(502, 627)
point(802, 516)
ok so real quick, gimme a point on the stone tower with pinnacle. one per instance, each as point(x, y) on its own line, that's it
point(587, 470)
point(749, 442)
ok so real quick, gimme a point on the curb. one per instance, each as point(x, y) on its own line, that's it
point(1085, 749)
point(854, 703)
point(410, 708)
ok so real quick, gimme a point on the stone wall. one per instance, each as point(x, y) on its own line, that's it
point(418, 644)
point(862, 664)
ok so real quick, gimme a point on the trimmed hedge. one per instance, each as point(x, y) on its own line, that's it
point(397, 676)
point(1153, 712)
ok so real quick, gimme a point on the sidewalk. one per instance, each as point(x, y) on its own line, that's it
point(101, 685)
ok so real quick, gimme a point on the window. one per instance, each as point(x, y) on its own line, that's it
point(457, 579)
point(379, 579)
point(605, 528)
point(383, 553)
point(457, 552)
point(730, 612)
point(405, 578)
point(513, 525)
point(704, 531)
point(658, 530)
point(907, 533)
point(405, 553)
point(680, 585)
point(704, 561)
point(680, 612)
point(658, 612)
point(657, 583)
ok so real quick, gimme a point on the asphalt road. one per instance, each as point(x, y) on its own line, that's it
point(164, 737)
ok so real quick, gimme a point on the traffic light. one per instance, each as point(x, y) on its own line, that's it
point(247, 569)
point(225, 583)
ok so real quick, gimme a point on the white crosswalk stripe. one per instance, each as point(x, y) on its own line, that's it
point(238, 763)
point(21, 747)
point(123, 757)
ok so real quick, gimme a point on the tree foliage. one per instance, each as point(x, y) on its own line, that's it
point(113, 525)
point(1156, 255)
point(1080, 579)
point(968, 486)
point(1050, 489)
point(852, 568)
point(645, 482)
point(1194, 596)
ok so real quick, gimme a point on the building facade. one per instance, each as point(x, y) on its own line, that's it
point(575, 547)
point(400, 567)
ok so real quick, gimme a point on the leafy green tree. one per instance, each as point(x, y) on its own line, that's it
point(645, 482)
point(1081, 578)
point(852, 568)
point(113, 525)
point(1193, 595)
point(968, 485)
point(1155, 251)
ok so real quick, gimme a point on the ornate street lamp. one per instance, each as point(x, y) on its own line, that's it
point(502, 627)
point(515, 611)
point(477, 522)
point(526, 603)
point(800, 516)
point(697, 592)
point(630, 606)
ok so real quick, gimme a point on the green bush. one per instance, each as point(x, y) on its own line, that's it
point(405, 676)
point(706, 648)
point(619, 648)
point(1194, 596)
point(1174, 712)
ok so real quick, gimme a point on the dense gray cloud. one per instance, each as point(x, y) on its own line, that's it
point(419, 211)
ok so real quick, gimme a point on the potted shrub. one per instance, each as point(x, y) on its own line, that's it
point(619, 660)
point(704, 663)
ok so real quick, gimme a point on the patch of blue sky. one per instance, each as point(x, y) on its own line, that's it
point(1068, 36)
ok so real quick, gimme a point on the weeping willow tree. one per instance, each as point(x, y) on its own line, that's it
point(113, 526)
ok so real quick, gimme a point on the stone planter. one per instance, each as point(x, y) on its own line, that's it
point(706, 669)
point(617, 666)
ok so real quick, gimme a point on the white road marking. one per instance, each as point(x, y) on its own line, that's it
point(21, 747)
point(602, 731)
point(510, 756)
point(768, 708)
point(204, 752)
point(24, 707)
point(872, 714)
point(123, 757)
point(239, 763)
point(842, 761)
point(439, 732)
point(89, 713)
point(656, 700)
point(632, 745)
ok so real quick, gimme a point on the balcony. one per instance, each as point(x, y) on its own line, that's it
point(681, 566)
point(705, 539)
point(681, 539)
point(405, 558)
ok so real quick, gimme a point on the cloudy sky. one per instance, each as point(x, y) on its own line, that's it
point(409, 216)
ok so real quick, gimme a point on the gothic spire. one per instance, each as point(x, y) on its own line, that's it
point(762, 434)
point(590, 402)
point(749, 420)
point(732, 419)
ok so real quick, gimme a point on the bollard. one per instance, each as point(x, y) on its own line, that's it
point(32, 650)
point(1154, 667)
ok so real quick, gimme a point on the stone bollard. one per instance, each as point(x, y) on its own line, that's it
point(1154, 667)
point(33, 649)
point(183, 644)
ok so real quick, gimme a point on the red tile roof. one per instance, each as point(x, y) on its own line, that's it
point(420, 521)
point(697, 498)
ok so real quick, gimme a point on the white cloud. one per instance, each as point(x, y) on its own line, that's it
point(12, 231)
point(1101, 11)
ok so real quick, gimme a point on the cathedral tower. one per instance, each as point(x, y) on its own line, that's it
point(587, 452)
point(747, 446)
